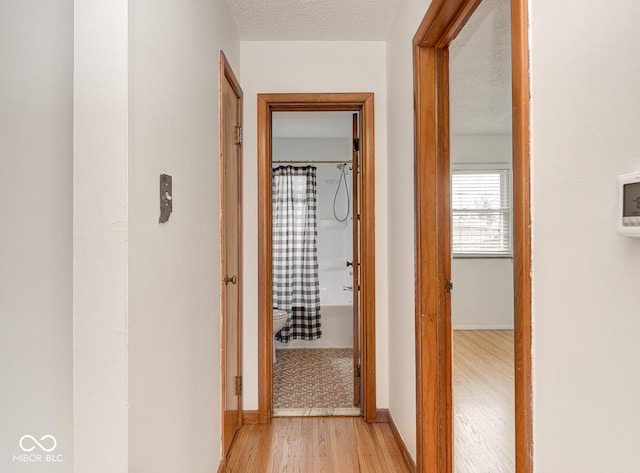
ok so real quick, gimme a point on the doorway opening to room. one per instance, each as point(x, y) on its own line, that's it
point(481, 242)
point(316, 255)
point(432, 78)
point(315, 196)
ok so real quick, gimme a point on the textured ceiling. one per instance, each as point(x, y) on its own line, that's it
point(480, 72)
point(307, 20)
point(480, 66)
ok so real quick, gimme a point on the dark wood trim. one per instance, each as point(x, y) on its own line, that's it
point(442, 22)
point(432, 360)
point(226, 73)
point(367, 261)
point(522, 230)
point(265, 296)
point(364, 103)
point(250, 417)
point(382, 416)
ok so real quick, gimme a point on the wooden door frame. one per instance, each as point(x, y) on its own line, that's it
point(443, 21)
point(226, 73)
point(363, 103)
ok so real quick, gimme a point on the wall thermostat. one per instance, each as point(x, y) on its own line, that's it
point(628, 214)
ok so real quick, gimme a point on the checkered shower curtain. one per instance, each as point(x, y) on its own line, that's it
point(295, 252)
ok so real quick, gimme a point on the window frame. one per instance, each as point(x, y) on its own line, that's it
point(484, 168)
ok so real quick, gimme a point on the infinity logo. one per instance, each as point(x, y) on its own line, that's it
point(34, 440)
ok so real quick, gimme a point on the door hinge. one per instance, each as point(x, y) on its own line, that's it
point(356, 371)
point(448, 286)
point(356, 144)
point(238, 135)
point(238, 385)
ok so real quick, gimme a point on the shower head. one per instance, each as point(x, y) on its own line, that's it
point(341, 166)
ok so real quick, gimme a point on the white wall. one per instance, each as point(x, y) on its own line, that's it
point(174, 274)
point(585, 317)
point(100, 235)
point(483, 287)
point(400, 178)
point(586, 279)
point(311, 67)
point(36, 57)
point(312, 149)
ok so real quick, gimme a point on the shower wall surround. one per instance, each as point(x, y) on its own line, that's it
point(334, 237)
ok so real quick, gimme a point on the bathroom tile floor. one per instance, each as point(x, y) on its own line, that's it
point(308, 378)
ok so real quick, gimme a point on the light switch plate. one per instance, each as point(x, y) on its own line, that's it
point(166, 197)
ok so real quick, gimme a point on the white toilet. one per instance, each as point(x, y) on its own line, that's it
point(279, 319)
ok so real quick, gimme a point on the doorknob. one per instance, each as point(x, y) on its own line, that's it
point(230, 279)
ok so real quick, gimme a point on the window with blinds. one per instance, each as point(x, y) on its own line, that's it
point(481, 213)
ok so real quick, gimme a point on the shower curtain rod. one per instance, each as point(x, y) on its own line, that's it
point(345, 161)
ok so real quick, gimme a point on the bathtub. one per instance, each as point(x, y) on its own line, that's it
point(336, 312)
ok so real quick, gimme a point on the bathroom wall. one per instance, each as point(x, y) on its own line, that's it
point(334, 237)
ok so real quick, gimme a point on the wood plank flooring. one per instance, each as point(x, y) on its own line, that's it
point(316, 445)
point(484, 425)
point(483, 403)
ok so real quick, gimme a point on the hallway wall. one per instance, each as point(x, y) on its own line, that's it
point(100, 235)
point(311, 67)
point(584, 71)
point(400, 178)
point(585, 122)
point(36, 145)
point(174, 275)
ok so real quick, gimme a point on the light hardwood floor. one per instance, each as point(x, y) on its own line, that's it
point(483, 403)
point(483, 425)
point(316, 445)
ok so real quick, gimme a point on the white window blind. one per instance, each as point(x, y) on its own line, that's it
point(481, 213)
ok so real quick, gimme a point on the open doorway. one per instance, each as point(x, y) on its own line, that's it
point(440, 26)
point(315, 196)
point(482, 314)
point(362, 301)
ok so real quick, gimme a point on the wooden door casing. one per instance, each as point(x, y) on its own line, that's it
point(355, 260)
point(231, 257)
point(442, 22)
point(363, 103)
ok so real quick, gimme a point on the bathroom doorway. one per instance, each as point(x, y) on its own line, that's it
point(316, 353)
point(322, 144)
